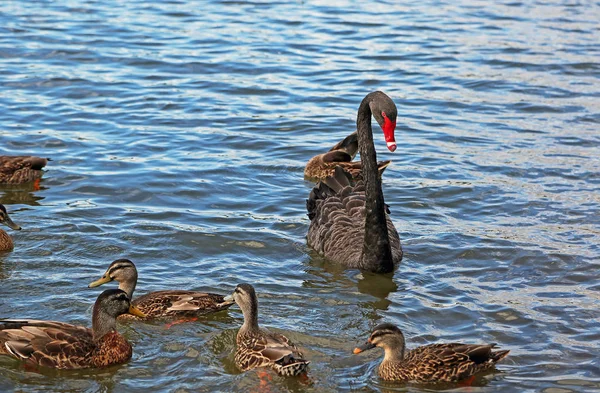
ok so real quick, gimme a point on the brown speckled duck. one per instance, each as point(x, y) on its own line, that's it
point(21, 169)
point(6, 243)
point(258, 347)
point(161, 304)
point(432, 363)
point(349, 221)
point(64, 346)
point(323, 165)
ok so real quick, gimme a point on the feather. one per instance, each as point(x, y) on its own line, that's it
point(336, 209)
point(323, 165)
point(448, 362)
point(160, 304)
point(21, 169)
point(258, 347)
point(64, 346)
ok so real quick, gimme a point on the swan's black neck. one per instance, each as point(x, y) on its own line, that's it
point(377, 254)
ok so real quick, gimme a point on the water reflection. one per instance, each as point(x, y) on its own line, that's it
point(22, 195)
point(478, 381)
point(4, 273)
point(327, 272)
point(378, 285)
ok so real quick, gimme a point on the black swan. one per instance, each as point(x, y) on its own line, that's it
point(349, 221)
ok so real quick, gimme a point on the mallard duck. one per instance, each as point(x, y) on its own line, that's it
point(65, 346)
point(323, 165)
point(21, 169)
point(258, 347)
point(6, 243)
point(161, 304)
point(349, 221)
point(430, 363)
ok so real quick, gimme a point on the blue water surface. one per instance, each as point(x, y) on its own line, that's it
point(179, 131)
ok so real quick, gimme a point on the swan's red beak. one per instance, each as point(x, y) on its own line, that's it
point(388, 132)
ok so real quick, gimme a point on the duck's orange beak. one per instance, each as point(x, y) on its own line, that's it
point(133, 310)
point(365, 347)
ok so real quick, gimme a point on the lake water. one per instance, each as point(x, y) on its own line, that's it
point(179, 131)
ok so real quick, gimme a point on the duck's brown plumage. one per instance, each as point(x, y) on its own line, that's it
point(177, 304)
point(161, 304)
point(433, 363)
point(323, 165)
point(61, 345)
point(6, 243)
point(21, 169)
point(442, 363)
point(258, 347)
point(64, 346)
point(268, 349)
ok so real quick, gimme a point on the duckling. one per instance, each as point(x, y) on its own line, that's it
point(64, 346)
point(258, 347)
point(21, 169)
point(161, 304)
point(323, 165)
point(430, 363)
point(6, 243)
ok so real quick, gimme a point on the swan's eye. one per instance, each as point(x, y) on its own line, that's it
point(384, 115)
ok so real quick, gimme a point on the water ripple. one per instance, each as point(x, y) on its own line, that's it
point(179, 131)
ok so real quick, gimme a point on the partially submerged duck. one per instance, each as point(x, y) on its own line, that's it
point(161, 304)
point(258, 347)
point(64, 346)
point(21, 169)
point(323, 165)
point(432, 363)
point(6, 243)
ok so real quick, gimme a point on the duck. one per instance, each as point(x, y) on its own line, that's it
point(323, 165)
point(258, 347)
point(61, 345)
point(21, 169)
point(160, 304)
point(450, 362)
point(6, 243)
point(349, 220)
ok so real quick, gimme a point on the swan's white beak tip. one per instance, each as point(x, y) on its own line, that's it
point(391, 146)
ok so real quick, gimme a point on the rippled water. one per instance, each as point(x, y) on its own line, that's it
point(179, 132)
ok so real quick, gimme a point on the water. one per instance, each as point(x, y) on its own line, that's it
point(179, 133)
